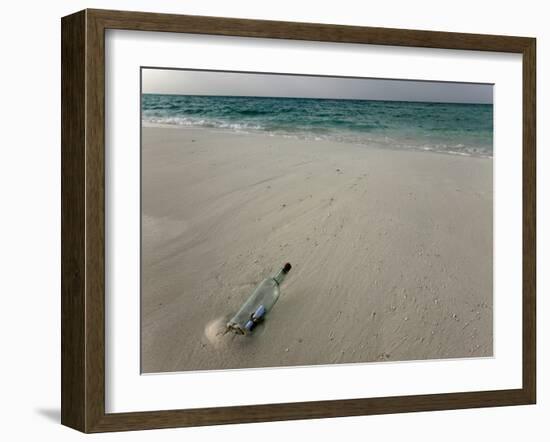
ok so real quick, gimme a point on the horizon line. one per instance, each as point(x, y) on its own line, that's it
point(316, 98)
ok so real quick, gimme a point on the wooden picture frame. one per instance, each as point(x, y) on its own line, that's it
point(83, 220)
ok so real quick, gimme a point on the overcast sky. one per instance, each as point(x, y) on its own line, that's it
point(185, 82)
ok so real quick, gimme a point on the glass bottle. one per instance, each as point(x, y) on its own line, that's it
point(258, 305)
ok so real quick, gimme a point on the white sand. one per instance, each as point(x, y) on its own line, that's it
point(391, 251)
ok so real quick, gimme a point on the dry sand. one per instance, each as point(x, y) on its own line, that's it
point(391, 251)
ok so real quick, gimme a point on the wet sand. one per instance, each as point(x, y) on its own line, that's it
point(391, 251)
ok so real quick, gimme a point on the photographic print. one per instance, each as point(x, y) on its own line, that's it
point(296, 220)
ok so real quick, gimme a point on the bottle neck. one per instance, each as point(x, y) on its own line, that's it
point(280, 276)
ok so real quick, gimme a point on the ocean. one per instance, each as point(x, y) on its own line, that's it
point(460, 129)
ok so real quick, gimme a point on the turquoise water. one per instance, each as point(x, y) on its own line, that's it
point(462, 129)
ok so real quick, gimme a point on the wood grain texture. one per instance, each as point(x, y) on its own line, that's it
point(95, 221)
point(73, 128)
point(144, 21)
point(83, 220)
point(529, 221)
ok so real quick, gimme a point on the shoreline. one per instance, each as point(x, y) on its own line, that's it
point(146, 124)
point(391, 251)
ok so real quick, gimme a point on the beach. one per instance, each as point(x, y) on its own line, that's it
point(391, 251)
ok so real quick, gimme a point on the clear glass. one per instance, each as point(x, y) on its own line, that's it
point(265, 294)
